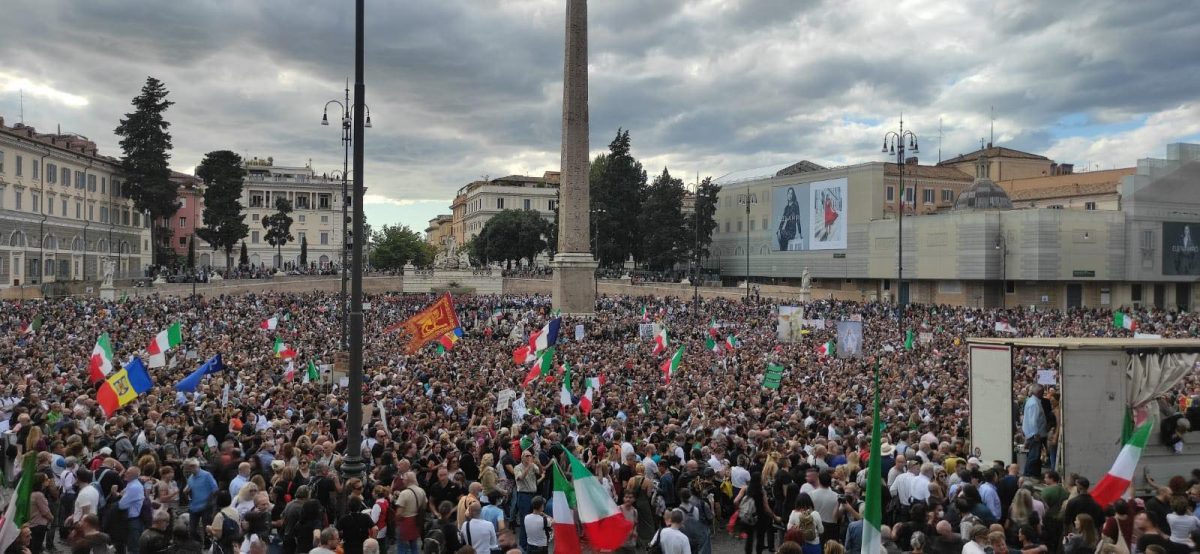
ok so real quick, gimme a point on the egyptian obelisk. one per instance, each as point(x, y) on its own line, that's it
point(574, 269)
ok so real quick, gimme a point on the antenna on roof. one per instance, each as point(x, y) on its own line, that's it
point(22, 115)
point(939, 140)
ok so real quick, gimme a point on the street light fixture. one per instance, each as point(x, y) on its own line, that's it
point(347, 112)
point(894, 143)
point(748, 199)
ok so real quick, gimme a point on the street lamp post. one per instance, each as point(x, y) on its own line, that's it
point(1002, 246)
point(353, 465)
point(894, 143)
point(596, 248)
point(748, 199)
point(347, 112)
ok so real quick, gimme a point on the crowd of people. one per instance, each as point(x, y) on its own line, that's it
point(253, 459)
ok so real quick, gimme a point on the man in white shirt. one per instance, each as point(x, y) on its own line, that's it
point(240, 481)
point(978, 541)
point(88, 499)
point(670, 538)
point(901, 488)
point(537, 526)
point(919, 486)
point(478, 533)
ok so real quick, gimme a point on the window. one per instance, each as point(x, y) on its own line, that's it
point(302, 202)
point(182, 202)
point(1089, 205)
point(78, 211)
point(301, 218)
point(1135, 292)
point(182, 222)
point(891, 194)
point(17, 200)
point(323, 201)
point(64, 207)
point(739, 225)
point(256, 200)
point(124, 217)
point(910, 196)
point(91, 213)
point(254, 217)
point(254, 237)
point(66, 177)
point(751, 224)
point(1, 161)
point(104, 185)
point(927, 195)
point(35, 202)
point(324, 237)
point(324, 219)
point(499, 201)
point(1148, 239)
point(301, 236)
point(51, 173)
point(37, 169)
point(80, 180)
point(182, 241)
point(137, 219)
point(91, 183)
point(103, 214)
point(1, 206)
point(764, 224)
point(947, 195)
point(528, 204)
point(18, 166)
point(553, 204)
point(50, 206)
point(1010, 287)
point(727, 226)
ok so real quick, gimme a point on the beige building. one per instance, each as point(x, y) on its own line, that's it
point(317, 202)
point(62, 211)
point(980, 252)
point(1003, 163)
point(1094, 190)
point(479, 201)
point(440, 231)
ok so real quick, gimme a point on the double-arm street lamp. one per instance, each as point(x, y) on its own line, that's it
point(347, 113)
point(894, 143)
point(748, 199)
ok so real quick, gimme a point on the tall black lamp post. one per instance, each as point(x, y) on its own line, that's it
point(347, 113)
point(748, 199)
point(894, 143)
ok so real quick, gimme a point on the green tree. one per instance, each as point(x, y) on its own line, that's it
point(617, 182)
point(244, 257)
point(552, 236)
point(397, 245)
point(706, 213)
point(146, 143)
point(191, 259)
point(303, 251)
point(512, 236)
point(279, 227)
point(664, 241)
point(224, 220)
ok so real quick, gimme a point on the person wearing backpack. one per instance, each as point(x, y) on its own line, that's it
point(537, 527)
point(697, 521)
point(226, 528)
point(409, 510)
point(670, 539)
point(755, 516)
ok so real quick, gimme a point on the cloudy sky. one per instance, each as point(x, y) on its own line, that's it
point(459, 89)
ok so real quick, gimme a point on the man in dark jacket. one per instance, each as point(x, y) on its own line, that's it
point(156, 539)
point(1083, 503)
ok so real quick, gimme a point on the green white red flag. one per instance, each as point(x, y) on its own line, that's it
point(660, 340)
point(603, 523)
point(165, 340)
point(1122, 320)
point(566, 538)
point(100, 364)
point(1116, 481)
point(282, 350)
point(671, 365)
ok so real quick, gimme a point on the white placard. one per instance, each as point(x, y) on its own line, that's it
point(504, 398)
point(1146, 336)
point(579, 333)
point(1047, 377)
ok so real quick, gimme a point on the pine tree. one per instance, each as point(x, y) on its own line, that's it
point(662, 227)
point(146, 145)
point(279, 228)
point(303, 251)
point(224, 220)
point(244, 258)
point(191, 259)
point(617, 187)
point(706, 212)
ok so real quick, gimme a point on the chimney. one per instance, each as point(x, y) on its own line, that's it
point(911, 160)
point(1, 121)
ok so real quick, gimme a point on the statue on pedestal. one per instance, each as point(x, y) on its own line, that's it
point(805, 280)
point(107, 269)
point(464, 261)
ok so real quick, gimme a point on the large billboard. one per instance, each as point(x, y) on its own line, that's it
point(809, 216)
point(1181, 252)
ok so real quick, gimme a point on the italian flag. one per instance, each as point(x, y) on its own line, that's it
point(312, 374)
point(541, 367)
point(585, 402)
point(606, 528)
point(1116, 482)
point(566, 539)
point(564, 393)
point(872, 540)
point(645, 314)
point(712, 344)
point(671, 365)
point(269, 324)
point(164, 341)
point(100, 364)
point(660, 340)
point(731, 342)
point(282, 350)
point(826, 349)
point(289, 373)
point(19, 508)
point(33, 326)
point(713, 329)
point(523, 355)
point(1123, 320)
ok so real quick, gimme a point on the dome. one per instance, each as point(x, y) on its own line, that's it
point(984, 194)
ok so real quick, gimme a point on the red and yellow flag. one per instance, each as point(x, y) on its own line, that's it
point(429, 324)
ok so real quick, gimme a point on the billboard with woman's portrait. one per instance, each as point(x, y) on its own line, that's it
point(809, 216)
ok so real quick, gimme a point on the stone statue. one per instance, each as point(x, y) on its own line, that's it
point(464, 261)
point(805, 280)
point(106, 273)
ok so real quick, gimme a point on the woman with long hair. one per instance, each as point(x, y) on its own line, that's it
point(1085, 537)
point(1021, 513)
point(804, 525)
point(765, 517)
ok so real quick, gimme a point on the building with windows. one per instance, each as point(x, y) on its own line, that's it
point(317, 216)
point(62, 210)
point(439, 231)
point(1092, 190)
point(980, 248)
point(188, 218)
point(479, 201)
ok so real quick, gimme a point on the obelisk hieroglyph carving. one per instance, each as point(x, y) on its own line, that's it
point(574, 269)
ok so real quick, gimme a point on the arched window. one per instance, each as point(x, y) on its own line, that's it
point(124, 247)
point(77, 244)
point(50, 242)
point(17, 239)
point(102, 245)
